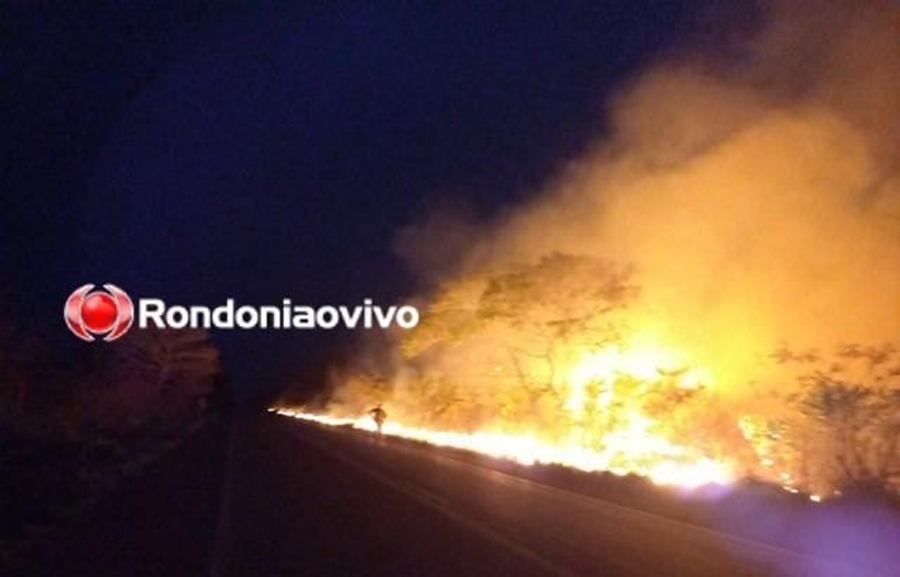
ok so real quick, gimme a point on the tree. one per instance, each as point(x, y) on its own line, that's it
point(560, 302)
point(851, 401)
point(495, 343)
point(156, 375)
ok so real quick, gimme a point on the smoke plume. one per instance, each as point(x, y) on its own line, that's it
point(742, 209)
point(757, 196)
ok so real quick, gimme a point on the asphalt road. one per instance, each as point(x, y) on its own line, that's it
point(276, 496)
point(351, 503)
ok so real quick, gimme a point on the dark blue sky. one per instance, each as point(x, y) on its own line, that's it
point(196, 153)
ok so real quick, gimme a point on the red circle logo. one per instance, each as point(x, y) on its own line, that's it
point(107, 312)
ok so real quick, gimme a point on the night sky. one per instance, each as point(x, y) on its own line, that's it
point(196, 153)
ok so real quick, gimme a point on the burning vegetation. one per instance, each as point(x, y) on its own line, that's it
point(682, 302)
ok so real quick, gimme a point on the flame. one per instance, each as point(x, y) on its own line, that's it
point(648, 455)
point(643, 362)
point(595, 385)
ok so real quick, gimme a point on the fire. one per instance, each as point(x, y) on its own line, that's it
point(627, 316)
point(648, 455)
point(603, 417)
point(646, 363)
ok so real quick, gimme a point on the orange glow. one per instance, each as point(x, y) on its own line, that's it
point(665, 463)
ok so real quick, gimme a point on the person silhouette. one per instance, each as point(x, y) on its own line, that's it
point(378, 415)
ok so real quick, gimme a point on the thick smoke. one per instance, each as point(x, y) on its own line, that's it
point(739, 216)
point(757, 195)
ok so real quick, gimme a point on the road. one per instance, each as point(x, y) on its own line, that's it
point(292, 498)
point(389, 508)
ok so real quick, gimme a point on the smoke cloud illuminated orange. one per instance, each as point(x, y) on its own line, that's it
point(747, 203)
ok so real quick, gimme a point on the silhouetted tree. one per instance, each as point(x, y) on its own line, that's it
point(156, 374)
point(494, 343)
point(851, 399)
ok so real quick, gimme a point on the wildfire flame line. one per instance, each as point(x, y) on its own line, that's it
point(669, 467)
